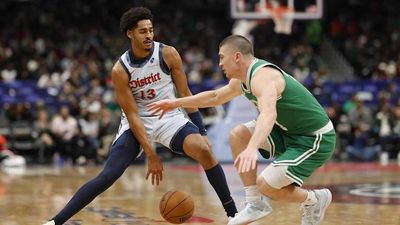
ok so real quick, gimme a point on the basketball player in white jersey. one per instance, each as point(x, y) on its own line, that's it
point(147, 72)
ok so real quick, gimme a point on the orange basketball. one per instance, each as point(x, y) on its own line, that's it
point(176, 206)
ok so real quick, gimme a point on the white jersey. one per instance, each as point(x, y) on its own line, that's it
point(150, 81)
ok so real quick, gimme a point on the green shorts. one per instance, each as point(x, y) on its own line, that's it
point(303, 154)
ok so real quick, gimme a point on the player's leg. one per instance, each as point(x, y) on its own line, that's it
point(195, 147)
point(238, 139)
point(255, 206)
point(273, 183)
point(185, 139)
point(125, 149)
point(282, 179)
point(314, 202)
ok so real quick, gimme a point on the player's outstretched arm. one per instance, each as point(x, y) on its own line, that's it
point(126, 101)
point(266, 89)
point(200, 100)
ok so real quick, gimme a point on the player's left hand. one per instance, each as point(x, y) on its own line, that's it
point(246, 160)
point(155, 168)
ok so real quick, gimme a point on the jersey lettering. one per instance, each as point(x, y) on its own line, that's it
point(152, 78)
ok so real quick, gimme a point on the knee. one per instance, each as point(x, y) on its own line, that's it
point(239, 136)
point(200, 151)
point(263, 185)
point(205, 154)
point(272, 179)
point(234, 135)
point(265, 188)
point(260, 182)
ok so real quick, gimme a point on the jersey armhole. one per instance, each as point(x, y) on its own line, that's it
point(163, 64)
point(125, 68)
point(266, 65)
point(281, 72)
point(277, 68)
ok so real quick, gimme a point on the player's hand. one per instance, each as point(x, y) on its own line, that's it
point(162, 106)
point(246, 160)
point(155, 168)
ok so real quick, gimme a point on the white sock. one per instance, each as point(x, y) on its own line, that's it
point(252, 193)
point(311, 198)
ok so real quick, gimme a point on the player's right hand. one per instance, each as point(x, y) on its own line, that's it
point(162, 106)
point(155, 168)
point(246, 160)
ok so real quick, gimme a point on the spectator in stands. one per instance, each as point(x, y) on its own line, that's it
point(68, 93)
point(396, 123)
point(9, 73)
point(19, 111)
point(65, 130)
point(42, 125)
point(335, 113)
point(361, 148)
point(108, 126)
point(90, 128)
point(396, 128)
point(384, 122)
point(391, 93)
point(350, 103)
point(361, 116)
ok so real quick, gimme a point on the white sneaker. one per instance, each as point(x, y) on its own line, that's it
point(314, 214)
point(252, 211)
point(50, 223)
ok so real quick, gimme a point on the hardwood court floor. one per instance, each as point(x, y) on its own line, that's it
point(362, 194)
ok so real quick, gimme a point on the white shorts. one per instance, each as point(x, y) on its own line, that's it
point(158, 130)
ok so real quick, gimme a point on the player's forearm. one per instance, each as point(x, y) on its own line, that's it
point(188, 93)
point(263, 128)
point(200, 100)
point(139, 131)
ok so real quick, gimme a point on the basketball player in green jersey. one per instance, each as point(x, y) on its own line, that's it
point(292, 127)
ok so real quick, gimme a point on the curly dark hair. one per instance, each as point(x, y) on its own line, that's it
point(131, 17)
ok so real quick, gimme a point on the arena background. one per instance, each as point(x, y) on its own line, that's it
point(59, 54)
point(55, 53)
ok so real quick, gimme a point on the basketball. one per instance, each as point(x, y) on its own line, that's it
point(176, 206)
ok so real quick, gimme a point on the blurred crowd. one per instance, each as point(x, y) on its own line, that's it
point(368, 35)
point(67, 48)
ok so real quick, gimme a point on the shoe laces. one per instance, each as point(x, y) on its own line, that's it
point(309, 212)
point(252, 205)
point(244, 204)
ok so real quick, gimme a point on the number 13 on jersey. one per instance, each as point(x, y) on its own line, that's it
point(148, 94)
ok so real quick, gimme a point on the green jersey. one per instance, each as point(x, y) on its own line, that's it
point(297, 109)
